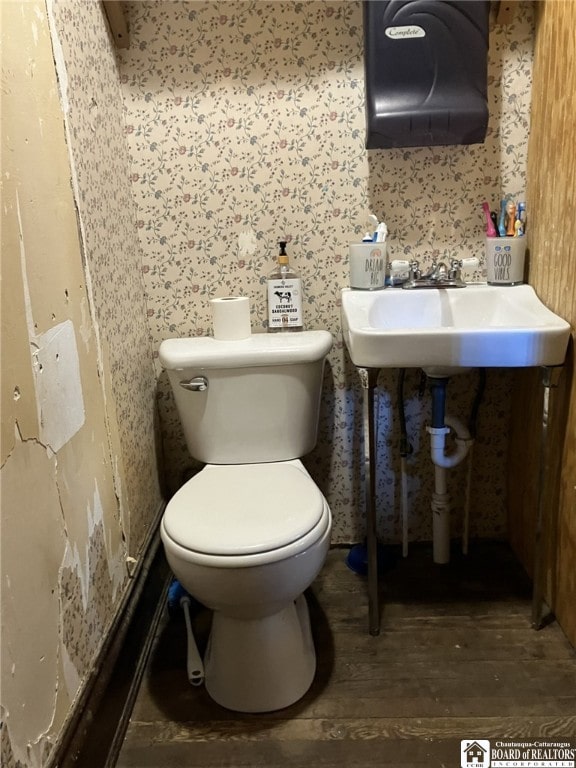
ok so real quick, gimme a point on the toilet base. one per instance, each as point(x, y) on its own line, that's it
point(260, 665)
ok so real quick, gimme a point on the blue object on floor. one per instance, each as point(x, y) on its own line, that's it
point(175, 594)
point(357, 559)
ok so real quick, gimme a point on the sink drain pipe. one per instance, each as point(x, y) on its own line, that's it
point(440, 427)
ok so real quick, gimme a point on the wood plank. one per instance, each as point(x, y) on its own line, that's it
point(318, 730)
point(395, 752)
point(117, 21)
point(409, 698)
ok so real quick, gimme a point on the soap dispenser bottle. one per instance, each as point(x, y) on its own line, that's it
point(284, 296)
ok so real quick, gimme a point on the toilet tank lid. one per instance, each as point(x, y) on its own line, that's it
point(257, 349)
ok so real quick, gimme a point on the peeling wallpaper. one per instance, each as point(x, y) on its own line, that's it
point(245, 122)
point(79, 478)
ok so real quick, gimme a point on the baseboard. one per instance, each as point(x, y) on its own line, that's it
point(101, 711)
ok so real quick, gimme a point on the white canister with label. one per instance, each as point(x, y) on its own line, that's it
point(367, 266)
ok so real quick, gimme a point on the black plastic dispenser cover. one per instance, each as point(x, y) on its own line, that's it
point(426, 72)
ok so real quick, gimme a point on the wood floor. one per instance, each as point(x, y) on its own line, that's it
point(456, 659)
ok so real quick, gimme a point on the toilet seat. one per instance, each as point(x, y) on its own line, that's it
point(248, 514)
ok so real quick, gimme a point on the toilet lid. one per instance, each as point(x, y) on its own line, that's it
point(243, 509)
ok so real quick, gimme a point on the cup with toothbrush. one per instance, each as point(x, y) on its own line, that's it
point(367, 259)
point(505, 243)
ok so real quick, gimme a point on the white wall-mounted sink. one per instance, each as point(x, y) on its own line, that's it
point(476, 326)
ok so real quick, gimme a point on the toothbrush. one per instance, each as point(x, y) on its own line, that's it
point(510, 218)
point(520, 225)
point(502, 219)
point(490, 228)
point(494, 217)
point(381, 232)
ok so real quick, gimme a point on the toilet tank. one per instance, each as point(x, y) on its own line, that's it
point(248, 401)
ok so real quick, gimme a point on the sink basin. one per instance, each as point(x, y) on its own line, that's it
point(476, 326)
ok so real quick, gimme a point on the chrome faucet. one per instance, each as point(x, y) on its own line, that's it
point(438, 276)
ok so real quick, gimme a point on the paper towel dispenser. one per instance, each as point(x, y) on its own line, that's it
point(426, 72)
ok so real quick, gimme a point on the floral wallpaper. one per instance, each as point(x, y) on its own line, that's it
point(113, 256)
point(245, 125)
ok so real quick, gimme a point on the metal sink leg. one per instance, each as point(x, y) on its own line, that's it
point(550, 378)
point(369, 380)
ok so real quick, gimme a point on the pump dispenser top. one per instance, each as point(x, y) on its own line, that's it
point(284, 295)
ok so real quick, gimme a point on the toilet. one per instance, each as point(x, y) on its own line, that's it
point(249, 533)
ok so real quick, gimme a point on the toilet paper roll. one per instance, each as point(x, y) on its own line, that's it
point(231, 318)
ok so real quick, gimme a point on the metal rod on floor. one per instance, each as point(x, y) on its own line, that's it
point(550, 377)
point(369, 379)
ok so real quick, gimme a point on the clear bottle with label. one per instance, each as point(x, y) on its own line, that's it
point(284, 296)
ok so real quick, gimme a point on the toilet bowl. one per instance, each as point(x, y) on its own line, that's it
point(250, 559)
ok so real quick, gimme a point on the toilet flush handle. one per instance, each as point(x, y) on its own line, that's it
point(197, 384)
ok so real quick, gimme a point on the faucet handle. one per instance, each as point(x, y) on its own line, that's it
point(455, 268)
point(469, 263)
point(415, 272)
point(456, 265)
